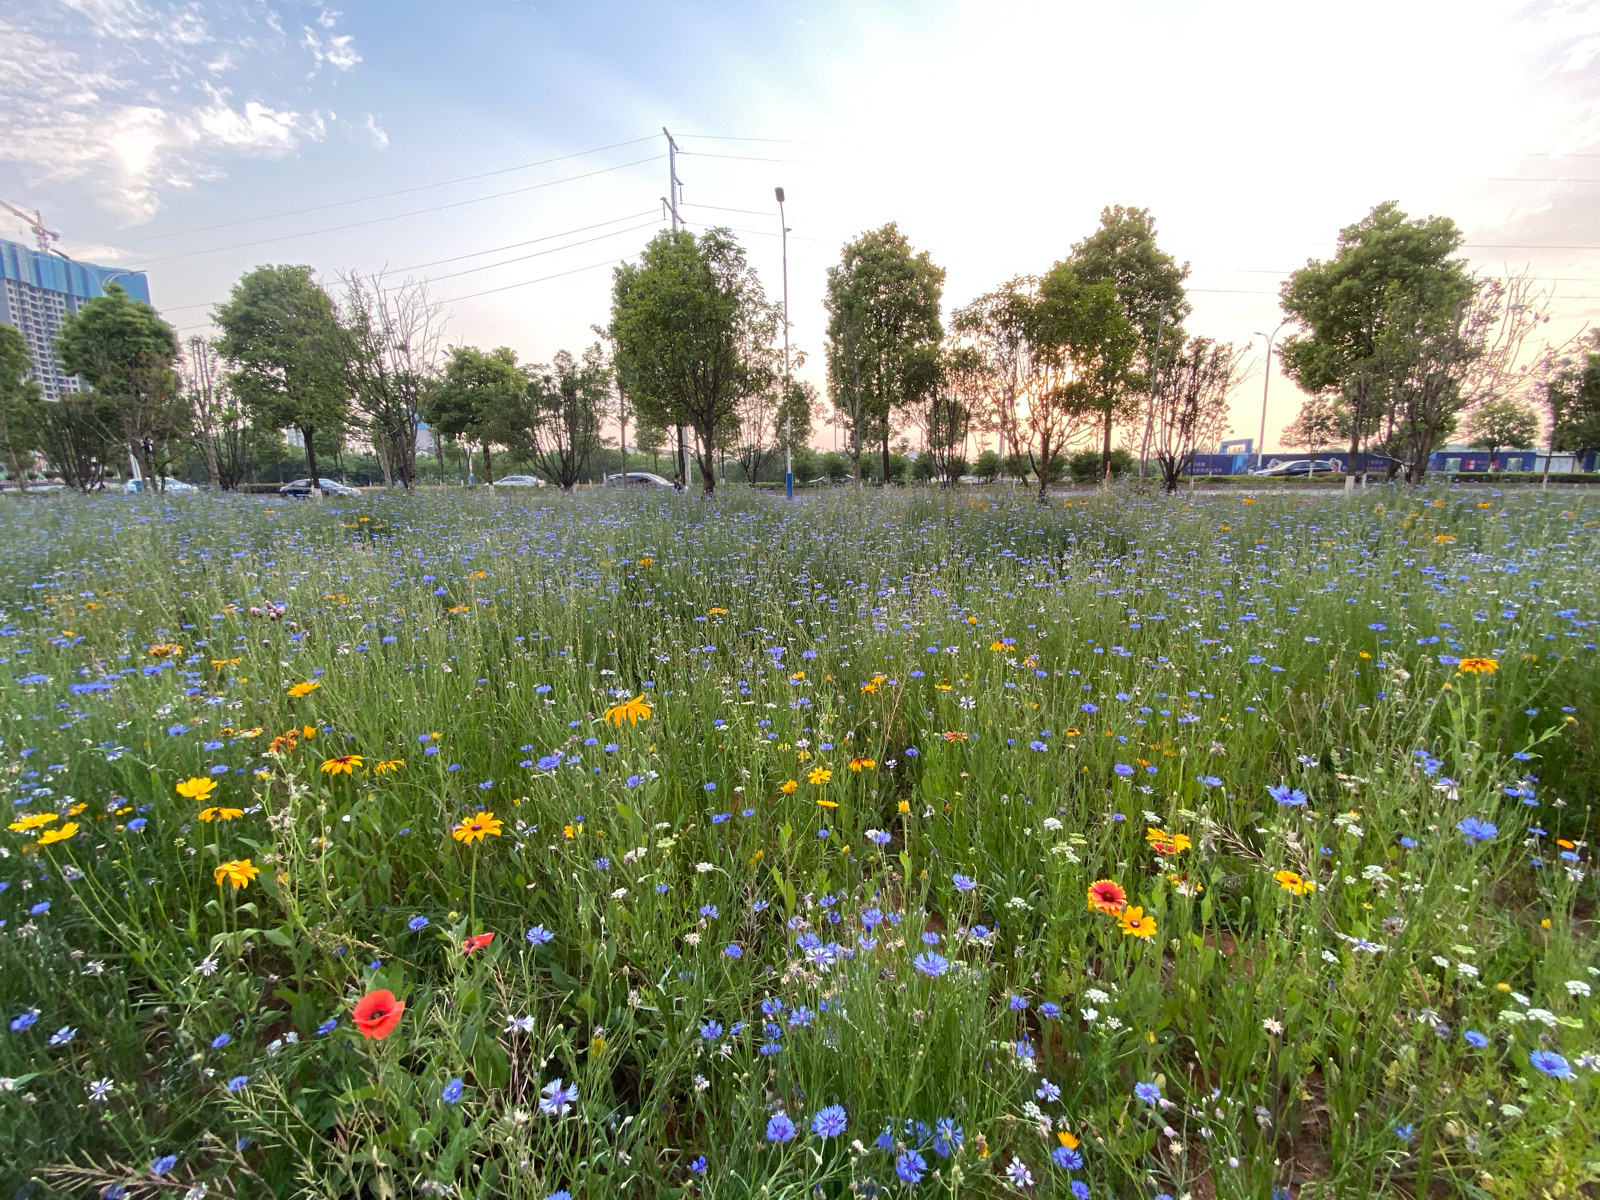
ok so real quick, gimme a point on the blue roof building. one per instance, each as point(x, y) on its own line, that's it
point(38, 290)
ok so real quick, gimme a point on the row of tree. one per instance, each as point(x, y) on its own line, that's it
point(1401, 346)
point(1397, 343)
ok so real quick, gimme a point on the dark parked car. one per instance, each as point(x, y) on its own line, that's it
point(1300, 466)
point(330, 487)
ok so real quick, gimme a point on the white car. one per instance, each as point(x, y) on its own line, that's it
point(330, 487)
point(639, 479)
point(170, 487)
point(518, 481)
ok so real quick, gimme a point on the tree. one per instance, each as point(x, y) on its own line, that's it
point(692, 332)
point(1149, 285)
point(994, 328)
point(1572, 398)
point(1368, 314)
point(567, 402)
point(122, 349)
point(79, 434)
point(1503, 422)
point(774, 419)
point(393, 335)
point(883, 333)
point(19, 404)
point(290, 355)
point(963, 383)
point(1317, 425)
point(484, 399)
point(1191, 409)
point(1079, 344)
point(988, 465)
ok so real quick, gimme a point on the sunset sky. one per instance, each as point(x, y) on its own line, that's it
point(512, 152)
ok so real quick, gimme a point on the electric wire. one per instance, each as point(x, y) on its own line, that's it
point(422, 187)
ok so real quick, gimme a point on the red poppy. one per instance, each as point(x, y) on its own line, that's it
point(377, 1014)
point(476, 942)
point(1107, 896)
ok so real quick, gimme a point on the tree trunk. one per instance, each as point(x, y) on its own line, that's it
point(488, 466)
point(309, 433)
point(1105, 452)
point(886, 452)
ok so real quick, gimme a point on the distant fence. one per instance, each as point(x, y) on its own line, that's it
point(1447, 461)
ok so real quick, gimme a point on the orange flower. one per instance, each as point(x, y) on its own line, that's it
point(787, 787)
point(378, 1013)
point(59, 834)
point(862, 764)
point(220, 814)
point(632, 711)
point(476, 827)
point(30, 823)
point(476, 942)
point(955, 735)
point(345, 764)
point(1167, 844)
point(239, 873)
point(198, 788)
point(1107, 896)
point(304, 689)
point(1135, 924)
point(1289, 881)
point(1479, 666)
point(164, 649)
point(387, 765)
point(818, 775)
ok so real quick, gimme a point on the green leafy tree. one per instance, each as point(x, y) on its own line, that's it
point(1571, 396)
point(1192, 408)
point(994, 329)
point(1080, 343)
point(483, 398)
point(987, 466)
point(567, 402)
point(122, 349)
point(1376, 315)
point(80, 436)
point(1148, 283)
point(1503, 423)
point(884, 334)
point(19, 405)
point(289, 354)
point(692, 332)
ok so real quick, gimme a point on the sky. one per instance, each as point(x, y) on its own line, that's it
point(512, 153)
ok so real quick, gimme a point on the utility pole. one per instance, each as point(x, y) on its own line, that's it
point(1266, 382)
point(788, 424)
point(1155, 390)
point(674, 195)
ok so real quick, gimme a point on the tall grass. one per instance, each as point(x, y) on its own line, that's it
point(838, 853)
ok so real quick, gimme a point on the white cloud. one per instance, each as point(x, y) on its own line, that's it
point(133, 97)
point(380, 139)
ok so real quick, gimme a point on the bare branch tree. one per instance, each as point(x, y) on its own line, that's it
point(1191, 408)
point(395, 333)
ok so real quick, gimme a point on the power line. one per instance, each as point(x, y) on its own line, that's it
point(610, 262)
point(531, 241)
point(1536, 179)
point(599, 237)
point(749, 212)
point(295, 212)
point(757, 232)
point(287, 237)
point(742, 157)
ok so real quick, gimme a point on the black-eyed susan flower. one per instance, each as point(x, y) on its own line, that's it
point(476, 827)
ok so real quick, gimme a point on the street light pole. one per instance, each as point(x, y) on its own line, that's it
point(788, 425)
point(1266, 382)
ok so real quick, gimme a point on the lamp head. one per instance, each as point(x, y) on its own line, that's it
point(779, 193)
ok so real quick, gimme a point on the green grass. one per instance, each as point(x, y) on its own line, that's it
point(1024, 693)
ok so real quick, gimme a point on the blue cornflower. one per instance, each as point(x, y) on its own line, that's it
point(238, 1082)
point(1287, 796)
point(1475, 830)
point(555, 1099)
point(1049, 1010)
point(947, 1137)
point(163, 1164)
point(698, 1166)
point(711, 1030)
point(910, 1166)
point(709, 910)
point(780, 1128)
point(417, 922)
point(963, 883)
point(1475, 1039)
point(931, 964)
point(452, 1091)
point(40, 908)
point(327, 1026)
point(138, 823)
point(63, 1035)
point(733, 950)
point(1405, 1132)
point(1548, 1062)
point(1123, 769)
point(1017, 1003)
point(221, 1040)
point(540, 936)
point(1080, 1189)
point(829, 1122)
point(1148, 1092)
point(1066, 1158)
point(1047, 1091)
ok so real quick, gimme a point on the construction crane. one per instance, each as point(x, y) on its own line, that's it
point(35, 221)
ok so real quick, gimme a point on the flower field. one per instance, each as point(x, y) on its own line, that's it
point(477, 845)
